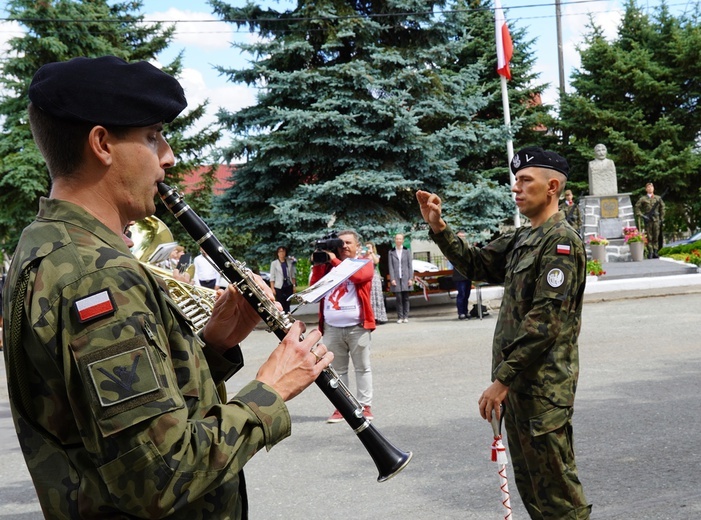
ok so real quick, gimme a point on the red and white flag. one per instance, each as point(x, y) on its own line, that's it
point(505, 47)
point(94, 306)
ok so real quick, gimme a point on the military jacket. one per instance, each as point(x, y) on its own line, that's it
point(651, 207)
point(543, 271)
point(573, 215)
point(124, 419)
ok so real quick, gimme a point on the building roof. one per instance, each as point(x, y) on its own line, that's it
point(223, 179)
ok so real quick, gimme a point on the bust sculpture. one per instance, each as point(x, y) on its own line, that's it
point(602, 173)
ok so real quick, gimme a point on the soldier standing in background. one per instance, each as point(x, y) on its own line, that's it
point(650, 210)
point(113, 395)
point(535, 357)
point(571, 210)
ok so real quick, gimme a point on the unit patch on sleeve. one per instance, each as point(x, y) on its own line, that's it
point(95, 306)
point(555, 278)
point(123, 376)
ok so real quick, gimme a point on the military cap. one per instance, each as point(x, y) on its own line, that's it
point(536, 156)
point(107, 91)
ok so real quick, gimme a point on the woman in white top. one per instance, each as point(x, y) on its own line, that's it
point(283, 278)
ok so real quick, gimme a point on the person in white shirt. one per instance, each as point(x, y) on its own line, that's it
point(206, 274)
point(283, 278)
point(347, 321)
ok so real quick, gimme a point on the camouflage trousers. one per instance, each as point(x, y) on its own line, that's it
point(541, 449)
point(652, 230)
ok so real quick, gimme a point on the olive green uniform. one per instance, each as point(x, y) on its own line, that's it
point(573, 214)
point(535, 353)
point(114, 398)
point(651, 211)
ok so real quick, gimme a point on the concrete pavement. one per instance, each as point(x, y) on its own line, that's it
point(637, 418)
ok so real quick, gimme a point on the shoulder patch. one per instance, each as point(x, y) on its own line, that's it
point(123, 376)
point(95, 306)
point(563, 249)
point(555, 277)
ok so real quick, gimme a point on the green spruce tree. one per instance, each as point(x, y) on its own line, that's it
point(360, 105)
point(638, 95)
point(58, 30)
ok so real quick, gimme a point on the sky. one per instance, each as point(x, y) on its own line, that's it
point(206, 41)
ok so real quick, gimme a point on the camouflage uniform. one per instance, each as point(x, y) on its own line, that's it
point(122, 417)
point(651, 211)
point(535, 353)
point(573, 214)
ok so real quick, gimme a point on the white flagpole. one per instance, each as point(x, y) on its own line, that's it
point(509, 145)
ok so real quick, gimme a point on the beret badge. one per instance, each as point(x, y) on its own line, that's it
point(516, 161)
point(536, 157)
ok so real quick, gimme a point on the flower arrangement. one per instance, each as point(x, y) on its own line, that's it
point(632, 234)
point(596, 240)
point(694, 258)
point(594, 268)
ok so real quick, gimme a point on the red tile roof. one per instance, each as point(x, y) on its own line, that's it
point(222, 182)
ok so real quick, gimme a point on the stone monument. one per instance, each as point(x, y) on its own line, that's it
point(602, 173)
point(606, 212)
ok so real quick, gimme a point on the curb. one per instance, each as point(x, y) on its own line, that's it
point(597, 290)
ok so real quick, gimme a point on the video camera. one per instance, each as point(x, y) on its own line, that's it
point(330, 242)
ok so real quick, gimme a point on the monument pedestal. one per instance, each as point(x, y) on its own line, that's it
point(606, 216)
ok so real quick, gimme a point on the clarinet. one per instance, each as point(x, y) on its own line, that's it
point(388, 459)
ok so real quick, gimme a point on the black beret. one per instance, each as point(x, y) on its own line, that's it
point(107, 91)
point(536, 156)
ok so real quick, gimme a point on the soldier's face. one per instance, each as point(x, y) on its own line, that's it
point(531, 190)
point(139, 160)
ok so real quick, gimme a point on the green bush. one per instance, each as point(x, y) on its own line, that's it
point(693, 257)
point(683, 249)
point(594, 268)
point(304, 267)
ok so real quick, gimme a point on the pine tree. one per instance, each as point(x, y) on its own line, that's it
point(57, 30)
point(638, 95)
point(362, 104)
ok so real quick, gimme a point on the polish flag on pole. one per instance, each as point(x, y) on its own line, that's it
point(505, 47)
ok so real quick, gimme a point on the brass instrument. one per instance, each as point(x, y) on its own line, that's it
point(152, 240)
point(149, 235)
point(389, 459)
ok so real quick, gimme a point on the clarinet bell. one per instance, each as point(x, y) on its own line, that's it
point(389, 459)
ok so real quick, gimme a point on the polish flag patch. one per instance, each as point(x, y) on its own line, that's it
point(95, 306)
point(563, 249)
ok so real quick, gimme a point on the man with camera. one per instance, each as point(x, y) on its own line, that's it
point(345, 315)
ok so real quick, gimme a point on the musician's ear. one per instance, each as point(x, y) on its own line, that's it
point(100, 145)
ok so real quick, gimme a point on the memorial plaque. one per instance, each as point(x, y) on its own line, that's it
point(609, 207)
point(611, 227)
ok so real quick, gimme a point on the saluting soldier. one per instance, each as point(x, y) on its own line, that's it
point(650, 209)
point(113, 396)
point(535, 359)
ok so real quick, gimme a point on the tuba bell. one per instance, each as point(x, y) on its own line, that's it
point(153, 243)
